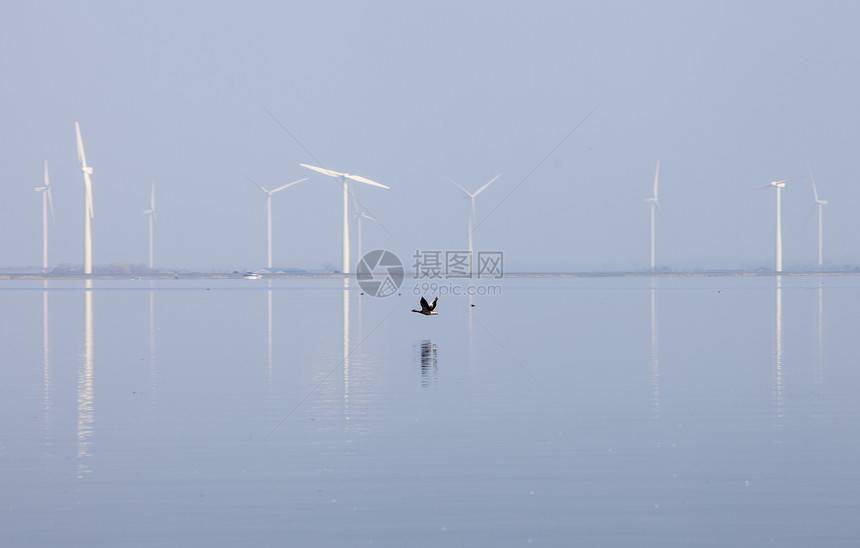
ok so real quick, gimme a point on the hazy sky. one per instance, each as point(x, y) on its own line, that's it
point(726, 95)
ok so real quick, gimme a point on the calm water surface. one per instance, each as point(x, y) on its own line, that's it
point(588, 411)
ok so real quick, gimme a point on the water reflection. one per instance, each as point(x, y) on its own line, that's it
point(346, 402)
point(428, 358)
point(269, 337)
point(779, 388)
point(86, 415)
point(820, 347)
point(655, 351)
point(46, 364)
point(152, 368)
point(196, 449)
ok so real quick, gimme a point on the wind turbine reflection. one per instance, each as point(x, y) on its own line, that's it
point(86, 414)
point(779, 388)
point(46, 364)
point(346, 348)
point(655, 351)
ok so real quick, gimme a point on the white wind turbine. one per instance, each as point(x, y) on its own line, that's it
point(345, 178)
point(820, 203)
point(151, 213)
point(269, 194)
point(472, 215)
point(88, 204)
point(778, 185)
point(654, 205)
point(47, 201)
point(359, 215)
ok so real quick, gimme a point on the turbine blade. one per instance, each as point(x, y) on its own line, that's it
point(814, 190)
point(252, 181)
point(655, 205)
point(380, 223)
point(47, 182)
point(82, 158)
point(152, 197)
point(806, 220)
point(289, 185)
point(656, 176)
point(51, 206)
point(460, 187)
point(361, 211)
point(364, 180)
point(759, 187)
point(329, 172)
point(491, 181)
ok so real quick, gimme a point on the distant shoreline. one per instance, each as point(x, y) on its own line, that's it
point(337, 275)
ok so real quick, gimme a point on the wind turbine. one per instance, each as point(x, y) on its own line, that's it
point(151, 213)
point(654, 205)
point(472, 215)
point(46, 202)
point(361, 213)
point(819, 202)
point(345, 178)
point(269, 194)
point(88, 204)
point(778, 185)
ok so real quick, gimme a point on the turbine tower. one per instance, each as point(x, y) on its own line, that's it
point(88, 204)
point(778, 185)
point(820, 203)
point(345, 178)
point(47, 201)
point(151, 213)
point(654, 205)
point(471, 196)
point(269, 194)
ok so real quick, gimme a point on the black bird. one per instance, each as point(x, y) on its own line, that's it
point(427, 309)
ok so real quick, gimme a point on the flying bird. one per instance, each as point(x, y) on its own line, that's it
point(427, 309)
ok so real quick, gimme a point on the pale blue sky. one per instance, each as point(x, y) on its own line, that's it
point(726, 95)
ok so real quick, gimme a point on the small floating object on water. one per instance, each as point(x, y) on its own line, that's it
point(427, 309)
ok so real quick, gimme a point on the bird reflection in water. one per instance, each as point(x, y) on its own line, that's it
point(428, 357)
